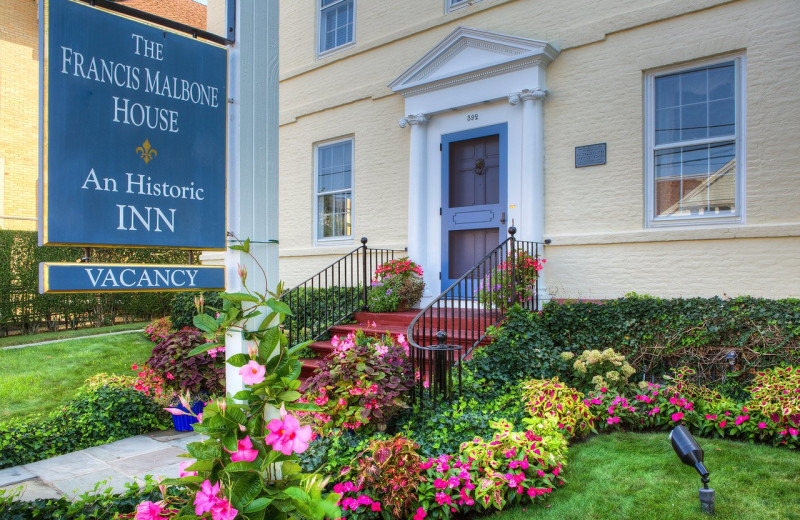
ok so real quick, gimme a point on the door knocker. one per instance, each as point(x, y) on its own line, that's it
point(480, 167)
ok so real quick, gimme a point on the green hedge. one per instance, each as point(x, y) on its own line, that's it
point(103, 412)
point(315, 310)
point(656, 334)
point(23, 309)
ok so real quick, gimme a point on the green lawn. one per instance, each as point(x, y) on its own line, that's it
point(638, 476)
point(43, 377)
point(24, 339)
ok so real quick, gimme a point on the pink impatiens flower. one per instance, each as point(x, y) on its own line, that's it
point(244, 451)
point(148, 511)
point(286, 436)
point(252, 373)
point(677, 416)
point(206, 498)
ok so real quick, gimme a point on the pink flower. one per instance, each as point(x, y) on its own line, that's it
point(182, 469)
point(176, 411)
point(375, 506)
point(287, 436)
point(722, 424)
point(244, 451)
point(677, 416)
point(223, 510)
point(206, 498)
point(711, 417)
point(252, 373)
point(613, 420)
point(762, 425)
point(148, 511)
point(740, 419)
point(439, 483)
point(793, 431)
point(420, 514)
point(654, 411)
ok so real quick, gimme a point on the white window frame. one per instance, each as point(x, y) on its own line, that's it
point(315, 218)
point(452, 5)
point(738, 217)
point(318, 44)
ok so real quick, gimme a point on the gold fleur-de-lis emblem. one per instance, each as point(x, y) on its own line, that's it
point(146, 152)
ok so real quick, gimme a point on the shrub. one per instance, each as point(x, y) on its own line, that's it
point(203, 373)
point(396, 285)
point(183, 308)
point(442, 429)
point(505, 285)
point(314, 310)
point(776, 394)
point(389, 470)
point(105, 409)
point(550, 398)
point(362, 383)
point(512, 468)
point(658, 334)
point(101, 503)
point(521, 350)
point(605, 371)
point(158, 329)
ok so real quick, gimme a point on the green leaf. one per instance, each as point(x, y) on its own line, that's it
point(257, 505)
point(202, 465)
point(289, 395)
point(205, 323)
point(201, 450)
point(242, 395)
point(235, 467)
point(290, 468)
point(299, 346)
point(238, 360)
point(239, 297)
point(246, 486)
point(279, 306)
point(297, 493)
point(229, 440)
point(269, 342)
point(303, 407)
point(202, 348)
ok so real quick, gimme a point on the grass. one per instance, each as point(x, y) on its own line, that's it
point(638, 476)
point(41, 378)
point(24, 339)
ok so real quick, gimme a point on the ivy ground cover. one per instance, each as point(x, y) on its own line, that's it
point(638, 475)
point(42, 378)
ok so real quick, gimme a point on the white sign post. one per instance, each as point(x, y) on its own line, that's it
point(252, 155)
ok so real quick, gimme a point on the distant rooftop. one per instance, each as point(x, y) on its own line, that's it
point(186, 12)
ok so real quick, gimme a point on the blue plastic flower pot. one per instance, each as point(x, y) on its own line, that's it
point(183, 423)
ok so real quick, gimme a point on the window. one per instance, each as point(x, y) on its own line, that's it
point(336, 24)
point(334, 190)
point(695, 144)
point(456, 4)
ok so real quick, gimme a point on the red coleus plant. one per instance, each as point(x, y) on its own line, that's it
point(171, 361)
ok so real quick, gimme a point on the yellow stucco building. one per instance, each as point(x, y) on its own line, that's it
point(435, 125)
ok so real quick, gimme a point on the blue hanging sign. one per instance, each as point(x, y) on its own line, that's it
point(133, 130)
point(81, 278)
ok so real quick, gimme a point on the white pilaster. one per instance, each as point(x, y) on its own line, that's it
point(531, 225)
point(252, 154)
point(417, 182)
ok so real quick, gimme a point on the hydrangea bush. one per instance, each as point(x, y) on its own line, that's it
point(595, 370)
point(363, 383)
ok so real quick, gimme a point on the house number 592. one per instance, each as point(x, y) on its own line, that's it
point(472, 117)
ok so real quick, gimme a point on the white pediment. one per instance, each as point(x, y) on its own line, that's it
point(467, 54)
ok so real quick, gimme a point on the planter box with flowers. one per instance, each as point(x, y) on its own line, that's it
point(397, 285)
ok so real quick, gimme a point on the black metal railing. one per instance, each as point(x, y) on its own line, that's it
point(463, 313)
point(333, 294)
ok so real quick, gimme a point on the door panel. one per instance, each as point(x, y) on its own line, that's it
point(474, 188)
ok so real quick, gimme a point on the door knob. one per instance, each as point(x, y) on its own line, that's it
point(503, 218)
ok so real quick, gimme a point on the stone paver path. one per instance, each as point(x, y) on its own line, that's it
point(116, 463)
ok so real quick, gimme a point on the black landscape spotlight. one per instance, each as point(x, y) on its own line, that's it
point(691, 454)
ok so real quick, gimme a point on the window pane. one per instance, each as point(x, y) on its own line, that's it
point(696, 180)
point(334, 215)
point(336, 24)
point(334, 168)
point(695, 104)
